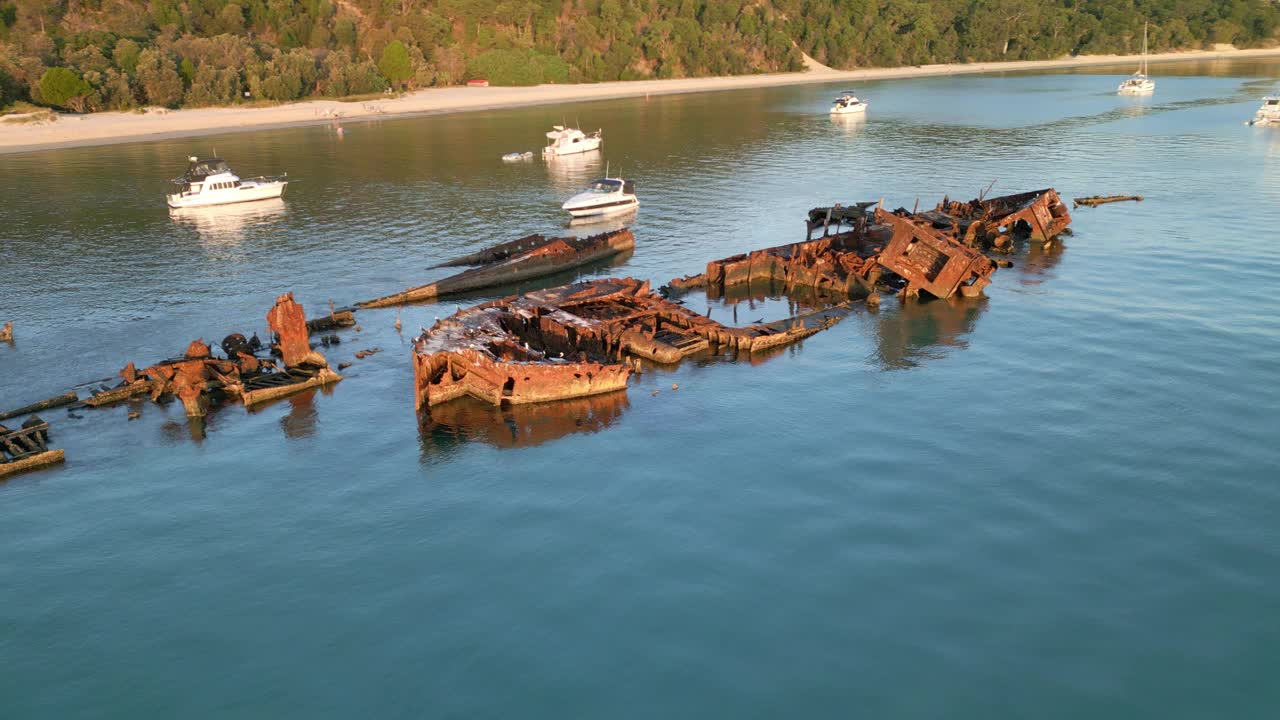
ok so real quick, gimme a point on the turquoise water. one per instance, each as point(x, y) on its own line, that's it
point(1059, 501)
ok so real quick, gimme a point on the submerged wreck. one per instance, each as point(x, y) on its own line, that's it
point(515, 261)
point(579, 340)
point(572, 341)
point(27, 448)
point(250, 373)
point(584, 340)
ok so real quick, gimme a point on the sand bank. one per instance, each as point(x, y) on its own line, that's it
point(116, 127)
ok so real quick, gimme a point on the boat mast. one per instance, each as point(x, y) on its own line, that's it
point(1144, 48)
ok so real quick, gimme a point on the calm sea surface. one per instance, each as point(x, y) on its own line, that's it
point(1061, 501)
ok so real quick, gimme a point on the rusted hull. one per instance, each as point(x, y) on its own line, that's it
point(506, 264)
point(932, 262)
point(1039, 214)
point(572, 341)
point(521, 425)
point(442, 377)
point(843, 266)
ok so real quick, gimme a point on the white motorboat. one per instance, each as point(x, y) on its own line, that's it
point(1139, 83)
point(569, 141)
point(517, 156)
point(607, 196)
point(211, 182)
point(1269, 113)
point(848, 104)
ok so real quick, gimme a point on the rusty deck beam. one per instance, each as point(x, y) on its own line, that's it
point(53, 402)
point(1096, 200)
point(27, 448)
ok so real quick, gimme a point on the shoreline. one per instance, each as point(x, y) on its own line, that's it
point(110, 128)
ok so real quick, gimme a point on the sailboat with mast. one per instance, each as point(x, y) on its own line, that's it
point(1139, 84)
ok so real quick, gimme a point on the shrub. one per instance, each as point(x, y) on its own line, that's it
point(11, 90)
point(341, 76)
point(518, 67)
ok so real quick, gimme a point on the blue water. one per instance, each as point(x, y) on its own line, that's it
point(1059, 501)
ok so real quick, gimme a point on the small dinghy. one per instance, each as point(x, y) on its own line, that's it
point(517, 156)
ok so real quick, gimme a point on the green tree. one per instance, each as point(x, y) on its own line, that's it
point(395, 65)
point(158, 77)
point(125, 55)
point(63, 88)
point(11, 90)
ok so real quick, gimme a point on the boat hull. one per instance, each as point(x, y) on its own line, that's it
point(851, 110)
point(575, 149)
point(613, 208)
point(244, 193)
point(1136, 89)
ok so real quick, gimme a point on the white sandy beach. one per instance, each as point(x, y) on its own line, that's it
point(116, 127)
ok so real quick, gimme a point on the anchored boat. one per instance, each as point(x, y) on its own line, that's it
point(570, 141)
point(1139, 83)
point(1269, 113)
point(606, 196)
point(211, 182)
point(848, 104)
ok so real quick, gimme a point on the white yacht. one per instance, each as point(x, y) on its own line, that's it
point(1139, 83)
point(1269, 113)
point(569, 141)
point(211, 182)
point(607, 196)
point(848, 104)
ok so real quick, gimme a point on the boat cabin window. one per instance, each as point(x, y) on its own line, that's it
point(1273, 102)
point(605, 186)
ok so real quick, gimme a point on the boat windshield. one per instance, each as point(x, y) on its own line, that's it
point(201, 169)
point(605, 186)
point(1272, 102)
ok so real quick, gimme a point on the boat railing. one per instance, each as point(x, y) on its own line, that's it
point(269, 178)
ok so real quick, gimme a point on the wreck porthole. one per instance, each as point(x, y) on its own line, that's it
point(508, 387)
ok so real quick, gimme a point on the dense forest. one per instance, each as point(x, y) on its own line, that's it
point(86, 55)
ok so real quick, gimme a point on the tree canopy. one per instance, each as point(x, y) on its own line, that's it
point(216, 52)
